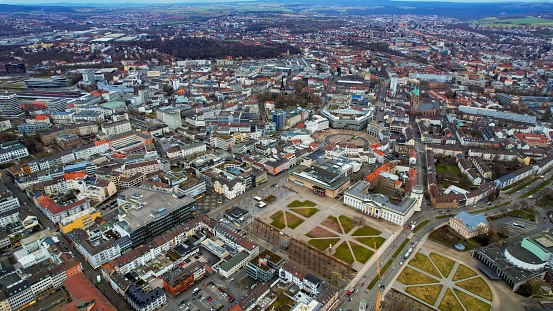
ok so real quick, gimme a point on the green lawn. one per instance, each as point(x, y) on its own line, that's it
point(451, 174)
point(282, 300)
point(293, 221)
point(521, 214)
point(448, 170)
point(366, 231)
point(335, 220)
point(444, 264)
point(472, 303)
point(410, 276)
point(463, 272)
point(449, 302)
point(305, 212)
point(537, 188)
point(278, 220)
point(477, 286)
point(400, 249)
point(514, 22)
point(305, 203)
point(428, 293)
point(323, 244)
point(545, 201)
point(362, 254)
point(422, 224)
point(369, 241)
point(447, 236)
point(343, 253)
point(423, 263)
point(492, 207)
point(519, 185)
point(347, 223)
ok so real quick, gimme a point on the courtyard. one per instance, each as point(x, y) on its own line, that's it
point(327, 225)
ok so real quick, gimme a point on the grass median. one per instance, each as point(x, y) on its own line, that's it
point(398, 251)
point(538, 188)
point(377, 278)
point(422, 224)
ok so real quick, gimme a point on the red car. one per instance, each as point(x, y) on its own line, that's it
point(229, 298)
point(209, 300)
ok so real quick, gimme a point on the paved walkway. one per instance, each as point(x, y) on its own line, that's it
point(502, 299)
point(329, 207)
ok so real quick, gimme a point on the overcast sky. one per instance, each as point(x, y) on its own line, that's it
point(84, 2)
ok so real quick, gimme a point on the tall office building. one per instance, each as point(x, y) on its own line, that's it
point(146, 214)
point(279, 117)
point(393, 84)
point(57, 105)
point(9, 106)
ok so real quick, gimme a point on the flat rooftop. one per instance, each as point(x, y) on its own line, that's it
point(497, 253)
point(360, 190)
point(153, 203)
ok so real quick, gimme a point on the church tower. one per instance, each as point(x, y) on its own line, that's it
point(415, 101)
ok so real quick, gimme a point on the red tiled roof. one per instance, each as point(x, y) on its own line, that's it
point(74, 175)
point(49, 204)
point(80, 288)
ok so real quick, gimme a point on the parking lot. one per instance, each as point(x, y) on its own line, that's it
point(514, 226)
point(212, 294)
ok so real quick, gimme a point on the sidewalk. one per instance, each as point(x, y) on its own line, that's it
point(502, 297)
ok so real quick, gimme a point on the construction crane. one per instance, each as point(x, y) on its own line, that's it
point(379, 295)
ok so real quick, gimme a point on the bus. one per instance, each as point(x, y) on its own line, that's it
point(269, 199)
point(257, 199)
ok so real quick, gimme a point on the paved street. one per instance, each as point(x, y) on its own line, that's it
point(388, 249)
point(90, 273)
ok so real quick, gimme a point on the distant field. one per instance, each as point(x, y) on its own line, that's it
point(514, 22)
point(179, 22)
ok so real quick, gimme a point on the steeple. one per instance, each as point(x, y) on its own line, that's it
point(415, 101)
point(416, 92)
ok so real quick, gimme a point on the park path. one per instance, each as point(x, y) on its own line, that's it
point(446, 282)
point(344, 237)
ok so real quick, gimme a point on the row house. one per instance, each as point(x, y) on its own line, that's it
point(513, 177)
point(235, 240)
point(94, 248)
point(8, 201)
point(82, 129)
point(66, 157)
point(493, 155)
point(116, 128)
point(145, 167)
point(162, 244)
point(13, 153)
point(445, 150)
point(482, 167)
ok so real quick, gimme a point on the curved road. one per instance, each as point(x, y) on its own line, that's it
point(369, 272)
